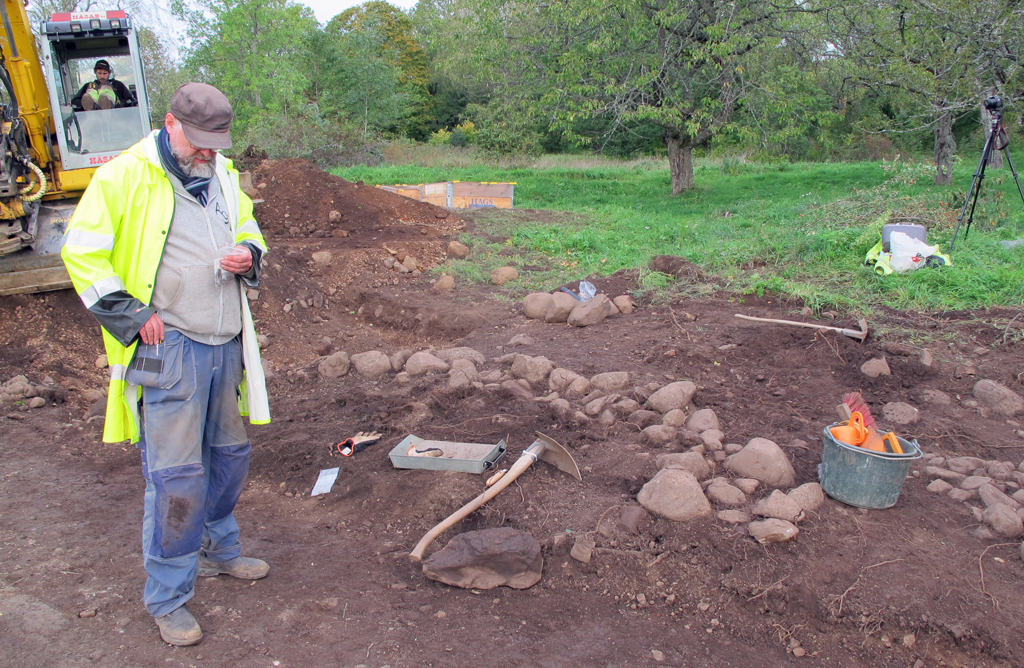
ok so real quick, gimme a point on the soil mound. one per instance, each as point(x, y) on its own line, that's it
point(298, 199)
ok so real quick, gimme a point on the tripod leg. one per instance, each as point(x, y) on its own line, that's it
point(979, 175)
point(1013, 170)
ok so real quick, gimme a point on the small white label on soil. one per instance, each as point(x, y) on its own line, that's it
point(325, 482)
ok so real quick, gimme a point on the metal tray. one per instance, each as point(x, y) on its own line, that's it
point(465, 457)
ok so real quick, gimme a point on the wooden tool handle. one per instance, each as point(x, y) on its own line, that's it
point(846, 332)
point(523, 463)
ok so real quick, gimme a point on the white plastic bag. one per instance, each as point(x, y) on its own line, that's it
point(907, 253)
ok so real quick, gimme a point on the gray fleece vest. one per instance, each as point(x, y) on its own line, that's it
point(187, 295)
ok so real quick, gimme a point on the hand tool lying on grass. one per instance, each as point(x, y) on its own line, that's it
point(544, 448)
point(859, 334)
point(357, 443)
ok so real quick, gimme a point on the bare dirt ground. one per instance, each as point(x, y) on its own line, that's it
point(908, 586)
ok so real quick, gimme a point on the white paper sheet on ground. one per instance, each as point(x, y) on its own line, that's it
point(325, 482)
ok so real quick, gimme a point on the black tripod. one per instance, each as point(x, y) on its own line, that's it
point(994, 105)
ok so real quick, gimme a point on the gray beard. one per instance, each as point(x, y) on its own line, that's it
point(191, 168)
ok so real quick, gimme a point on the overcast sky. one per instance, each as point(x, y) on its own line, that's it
point(325, 10)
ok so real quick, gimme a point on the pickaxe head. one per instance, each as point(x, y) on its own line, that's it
point(545, 448)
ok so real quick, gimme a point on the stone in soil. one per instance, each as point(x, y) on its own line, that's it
point(874, 368)
point(371, 364)
point(643, 418)
point(591, 312)
point(444, 283)
point(991, 495)
point(537, 304)
point(462, 374)
point(458, 250)
point(702, 420)
point(531, 369)
point(334, 366)
point(763, 460)
point(611, 381)
point(779, 506)
point(624, 303)
point(1003, 520)
point(582, 549)
point(561, 306)
point(900, 413)
point(808, 496)
point(961, 494)
point(503, 275)
point(722, 493)
point(449, 355)
point(998, 398)
point(487, 559)
point(659, 434)
point(423, 362)
point(734, 516)
point(964, 465)
point(673, 395)
point(559, 379)
point(773, 531)
point(676, 495)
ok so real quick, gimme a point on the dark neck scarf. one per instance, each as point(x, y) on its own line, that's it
point(197, 186)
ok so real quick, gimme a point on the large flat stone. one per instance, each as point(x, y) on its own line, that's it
point(487, 559)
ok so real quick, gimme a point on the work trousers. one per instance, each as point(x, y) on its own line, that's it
point(195, 457)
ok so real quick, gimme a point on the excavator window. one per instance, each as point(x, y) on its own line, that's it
point(98, 116)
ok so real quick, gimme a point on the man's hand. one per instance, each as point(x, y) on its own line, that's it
point(239, 262)
point(153, 331)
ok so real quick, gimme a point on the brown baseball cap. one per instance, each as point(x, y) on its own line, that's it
point(205, 115)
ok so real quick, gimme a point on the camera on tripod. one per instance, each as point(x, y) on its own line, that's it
point(996, 135)
point(994, 105)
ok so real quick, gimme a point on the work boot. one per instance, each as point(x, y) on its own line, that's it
point(179, 628)
point(88, 103)
point(239, 567)
point(106, 102)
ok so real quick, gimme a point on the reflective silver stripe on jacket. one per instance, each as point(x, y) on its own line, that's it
point(100, 289)
point(118, 371)
point(85, 240)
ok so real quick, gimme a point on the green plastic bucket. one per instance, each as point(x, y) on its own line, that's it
point(864, 478)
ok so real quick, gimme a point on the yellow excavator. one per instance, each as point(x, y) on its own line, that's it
point(50, 144)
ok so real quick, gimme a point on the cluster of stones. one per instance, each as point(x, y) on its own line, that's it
point(563, 307)
point(685, 487)
point(997, 486)
point(19, 391)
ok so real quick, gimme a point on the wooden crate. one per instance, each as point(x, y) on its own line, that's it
point(436, 193)
point(470, 195)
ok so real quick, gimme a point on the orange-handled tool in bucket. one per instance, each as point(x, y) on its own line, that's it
point(887, 443)
point(853, 432)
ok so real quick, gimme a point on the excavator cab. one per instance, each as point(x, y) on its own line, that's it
point(49, 146)
point(70, 46)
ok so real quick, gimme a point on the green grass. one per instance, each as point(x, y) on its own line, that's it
point(801, 230)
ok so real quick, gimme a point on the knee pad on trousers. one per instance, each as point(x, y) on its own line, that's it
point(179, 511)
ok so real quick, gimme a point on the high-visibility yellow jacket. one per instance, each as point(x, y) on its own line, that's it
point(112, 250)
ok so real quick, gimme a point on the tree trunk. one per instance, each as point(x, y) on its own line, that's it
point(995, 158)
point(945, 147)
point(680, 161)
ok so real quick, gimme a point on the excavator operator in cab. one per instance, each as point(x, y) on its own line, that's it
point(103, 93)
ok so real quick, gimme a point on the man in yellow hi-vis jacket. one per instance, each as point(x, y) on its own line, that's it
point(161, 249)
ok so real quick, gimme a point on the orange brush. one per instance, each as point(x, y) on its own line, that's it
point(855, 402)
